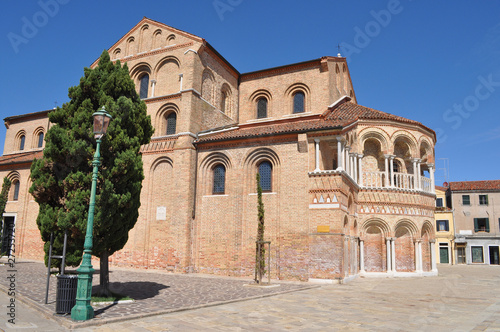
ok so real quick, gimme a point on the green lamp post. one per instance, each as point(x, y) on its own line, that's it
point(82, 309)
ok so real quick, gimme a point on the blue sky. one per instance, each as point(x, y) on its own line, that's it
point(435, 62)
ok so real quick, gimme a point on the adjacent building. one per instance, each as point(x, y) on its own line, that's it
point(476, 206)
point(348, 190)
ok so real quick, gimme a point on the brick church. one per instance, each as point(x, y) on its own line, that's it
point(348, 190)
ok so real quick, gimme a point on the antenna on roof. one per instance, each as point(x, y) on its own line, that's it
point(338, 48)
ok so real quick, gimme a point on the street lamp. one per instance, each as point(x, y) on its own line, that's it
point(82, 309)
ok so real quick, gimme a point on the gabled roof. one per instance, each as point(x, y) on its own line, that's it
point(475, 185)
point(338, 116)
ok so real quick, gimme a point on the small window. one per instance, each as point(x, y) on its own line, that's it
point(442, 225)
point(171, 123)
point(298, 102)
point(483, 199)
point(261, 108)
point(477, 254)
point(40, 140)
point(481, 225)
point(21, 143)
point(223, 102)
point(16, 190)
point(265, 171)
point(439, 202)
point(143, 92)
point(465, 200)
point(219, 179)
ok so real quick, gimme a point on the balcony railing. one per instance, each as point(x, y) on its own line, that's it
point(379, 180)
point(373, 180)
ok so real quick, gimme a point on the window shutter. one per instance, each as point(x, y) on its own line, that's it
point(476, 226)
point(487, 225)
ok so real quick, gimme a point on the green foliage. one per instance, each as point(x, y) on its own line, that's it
point(260, 259)
point(4, 196)
point(62, 178)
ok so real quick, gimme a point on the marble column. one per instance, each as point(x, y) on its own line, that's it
point(386, 164)
point(393, 254)
point(316, 144)
point(360, 174)
point(391, 175)
point(340, 153)
point(433, 255)
point(388, 253)
point(361, 256)
point(431, 172)
point(153, 84)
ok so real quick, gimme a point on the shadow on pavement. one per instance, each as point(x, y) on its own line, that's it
point(138, 290)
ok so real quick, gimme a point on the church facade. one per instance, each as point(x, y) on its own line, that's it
point(347, 190)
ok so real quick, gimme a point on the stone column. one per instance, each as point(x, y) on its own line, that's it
point(388, 253)
point(420, 265)
point(393, 254)
point(415, 244)
point(419, 173)
point(355, 159)
point(340, 153)
point(360, 175)
point(361, 256)
point(153, 84)
point(391, 175)
point(415, 179)
point(431, 172)
point(433, 255)
point(386, 163)
point(316, 151)
point(347, 161)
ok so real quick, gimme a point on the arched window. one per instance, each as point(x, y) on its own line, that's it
point(143, 92)
point(298, 102)
point(22, 139)
point(171, 123)
point(265, 171)
point(261, 108)
point(223, 102)
point(16, 190)
point(219, 179)
point(40, 139)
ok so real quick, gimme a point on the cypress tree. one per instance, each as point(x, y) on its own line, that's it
point(62, 178)
point(4, 196)
point(260, 259)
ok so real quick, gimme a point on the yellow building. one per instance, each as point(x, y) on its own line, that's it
point(445, 232)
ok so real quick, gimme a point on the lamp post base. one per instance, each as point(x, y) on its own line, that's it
point(82, 309)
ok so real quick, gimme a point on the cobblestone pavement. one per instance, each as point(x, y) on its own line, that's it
point(461, 298)
point(153, 291)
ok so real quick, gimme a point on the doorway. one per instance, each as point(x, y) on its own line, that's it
point(460, 254)
point(494, 257)
point(444, 257)
point(7, 236)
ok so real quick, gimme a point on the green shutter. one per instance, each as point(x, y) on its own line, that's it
point(487, 225)
point(476, 226)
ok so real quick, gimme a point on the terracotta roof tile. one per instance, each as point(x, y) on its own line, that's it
point(475, 185)
point(20, 157)
point(336, 117)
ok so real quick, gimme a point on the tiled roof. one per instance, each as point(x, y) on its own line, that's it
point(475, 185)
point(336, 117)
point(20, 157)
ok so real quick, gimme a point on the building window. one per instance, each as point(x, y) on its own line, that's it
point(465, 200)
point(261, 108)
point(143, 91)
point(483, 199)
point(477, 254)
point(481, 225)
point(223, 102)
point(21, 143)
point(219, 179)
point(40, 140)
point(171, 123)
point(439, 202)
point(442, 225)
point(298, 102)
point(265, 171)
point(16, 190)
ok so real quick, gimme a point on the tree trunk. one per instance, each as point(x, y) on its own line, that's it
point(104, 275)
